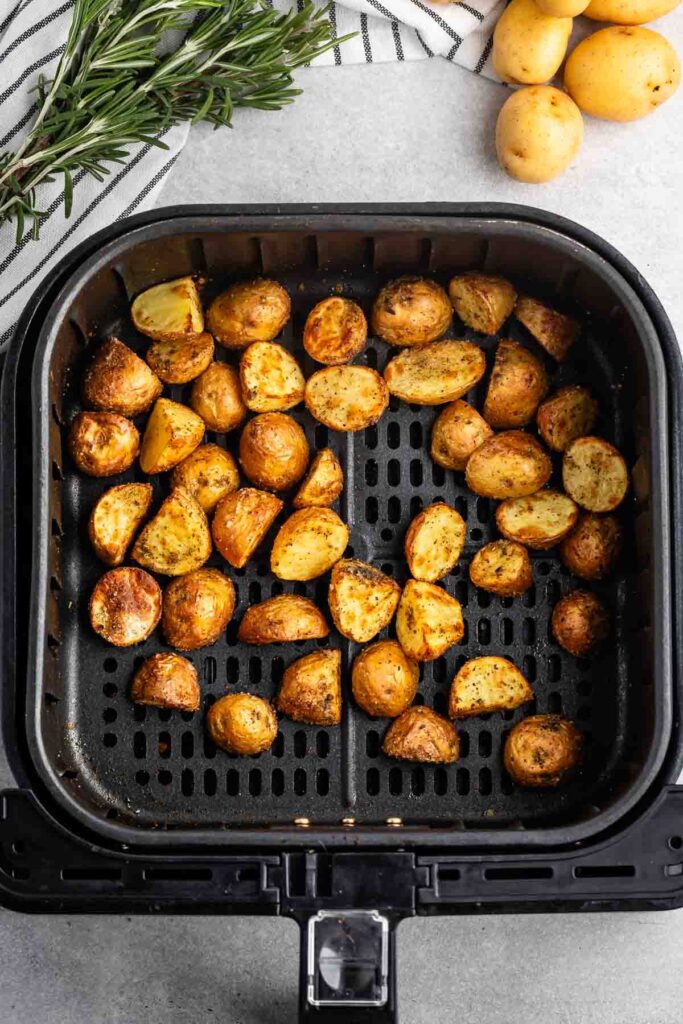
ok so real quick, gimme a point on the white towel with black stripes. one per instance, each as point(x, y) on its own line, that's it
point(32, 36)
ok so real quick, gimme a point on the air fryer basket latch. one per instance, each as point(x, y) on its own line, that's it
point(347, 961)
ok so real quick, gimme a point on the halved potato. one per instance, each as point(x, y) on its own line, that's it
point(518, 384)
point(115, 518)
point(594, 474)
point(508, 465)
point(434, 542)
point(282, 619)
point(336, 330)
point(172, 432)
point(482, 301)
point(169, 311)
point(419, 734)
point(209, 473)
point(411, 311)
point(568, 413)
point(323, 483)
point(592, 549)
point(541, 749)
point(539, 520)
point(308, 544)
point(346, 397)
point(384, 680)
point(458, 430)
point(428, 621)
point(362, 599)
point(197, 608)
point(580, 623)
point(241, 522)
point(103, 443)
point(436, 373)
point(502, 567)
point(487, 684)
point(216, 396)
point(248, 311)
point(311, 689)
point(180, 360)
point(273, 451)
point(117, 380)
point(125, 606)
point(242, 723)
point(166, 681)
point(554, 331)
point(270, 378)
point(177, 540)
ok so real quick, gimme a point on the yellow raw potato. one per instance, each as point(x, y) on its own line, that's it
point(346, 397)
point(383, 680)
point(323, 483)
point(216, 396)
point(487, 684)
point(362, 599)
point(482, 301)
point(311, 689)
point(177, 540)
point(541, 749)
point(169, 311)
point(428, 621)
point(508, 465)
point(518, 383)
point(528, 45)
point(594, 474)
point(629, 12)
point(436, 373)
point(411, 311)
point(563, 8)
point(419, 734)
point(336, 330)
point(166, 681)
point(273, 451)
point(308, 544)
point(248, 311)
point(568, 413)
point(434, 542)
point(270, 378)
point(458, 430)
point(503, 567)
point(242, 723)
point(197, 608)
point(591, 550)
point(117, 380)
point(539, 132)
point(241, 522)
point(180, 360)
point(173, 431)
point(103, 443)
point(125, 606)
point(209, 473)
point(554, 331)
point(282, 619)
point(579, 623)
point(539, 520)
point(115, 518)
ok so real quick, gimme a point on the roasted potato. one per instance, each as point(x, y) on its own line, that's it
point(335, 331)
point(567, 415)
point(249, 311)
point(428, 621)
point(166, 681)
point(323, 483)
point(487, 684)
point(541, 749)
point(419, 734)
point(518, 384)
point(457, 431)
point(592, 549)
point(384, 680)
point(242, 723)
point(362, 599)
point(580, 623)
point(125, 606)
point(502, 567)
point(177, 540)
point(539, 132)
point(173, 431)
point(434, 542)
point(482, 301)
point(508, 465)
point(197, 607)
point(119, 381)
point(180, 360)
point(216, 396)
point(115, 518)
point(539, 520)
point(169, 311)
point(209, 473)
point(273, 451)
point(311, 689)
point(436, 373)
point(346, 397)
point(282, 619)
point(103, 443)
point(594, 474)
point(411, 311)
point(270, 378)
point(528, 45)
point(308, 544)
point(241, 522)
point(554, 331)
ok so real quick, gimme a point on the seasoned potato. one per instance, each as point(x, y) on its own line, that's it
point(580, 622)
point(457, 431)
point(384, 680)
point(180, 360)
point(518, 384)
point(508, 465)
point(125, 606)
point(482, 301)
point(568, 414)
point(242, 723)
point(173, 431)
point(169, 311)
point(594, 474)
point(177, 540)
point(539, 520)
point(503, 567)
point(346, 397)
point(434, 542)
point(487, 684)
point(541, 749)
point(115, 518)
point(197, 608)
point(270, 378)
point(434, 374)
point(311, 689)
point(103, 443)
point(323, 483)
point(419, 734)
point(216, 396)
point(411, 311)
point(528, 45)
point(273, 451)
point(119, 381)
point(592, 549)
point(209, 473)
point(241, 522)
point(629, 12)
point(249, 311)
point(166, 681)
point(554, 331)
point(428, 621)
point(282, 619)
point(362, 599)
point(539, 132)
point(308, 544)
point(336, 330)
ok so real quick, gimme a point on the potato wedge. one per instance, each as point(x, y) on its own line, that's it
point(117, 380)
point(242, 723)
point(428, 621)
point(166, 681)
point(125, 606)
point(419, 734)
point(208, 473)
point(241, 522)
point(568, 414)
point(311, 689)
point(580, 623)
point(555, 332)
point(172, 432)
point(273, 451)
point(482, 301)
point(487, 684)
point(197, 608)
point(346, 397)
point(411, 311)
point(335, 331)
point(509, 465)
point(362, 599)
point(169, 311)
point(216, 396)
point(541, 749)
point(103, 443)
point(593, 548)
point(458, 430)
point(180, 360)
point(594, 474)
point(434, 542)
point(436, 373)
point(323, 483)
point(502, 567)
point(384, 680)
point(308, 544)
point(115, 518)
point(177, 540)
point(282, 619)
point(539, 520)
point(270, 378)
point(248, 311)
point(518, 384)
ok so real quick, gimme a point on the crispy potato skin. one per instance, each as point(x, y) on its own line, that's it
point(384, 680)
point(419, 734)
point(458, 430)
point(508, 465)
point(592, 549)
point(181, 360)
point(282, 619)
point(242, 723)
point(346, 397)
point(196, 609)
point(115, 518)
point(482, 301)
point(311, 689)
point(539, 520)
point(270, 378)
point(502, 567)
point(117, 380)
point(580, 623)
point(125, 606)
point(323, 483)
point(273, 451)
point(177, 540)
point(435, 374)
point(249, 311)
point(166, 681)
point(541, 749)
point(554, 331)
point(428, 621)
point(594, 474)
point(434, 542)
point(335, 331)
point(216, 396)
point(518, 384)
point(169, 311)
point(241, 522)
point(362, 599)
point(411, 311)
point(568, 414)
point(172, 432)
point(209, 473)
point(103, 443)
point(308, 544)
point(487, 684)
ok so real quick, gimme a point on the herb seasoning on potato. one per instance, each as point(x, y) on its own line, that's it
point(166, 681)
point(241, 522)
point(247, 312)
point(487, 684)
point(177, 539)
point(428, 621)
point(482, 301)
point(170, 311)
point(580, 623)
point(196, 608)
point(411, 311)
point(362, 599)
point(592, 549)
point(216, 396)
point(308, 544)
point(434, 542)
point(311, 689)
point(242, 723)
point(117, 380)
point(458, 430)
point(125, 606)
point(502, 567)
point(335, 331)
point(419, 734)
point(518, 384)
point(541, 749)
point(282, 619)
point(273, 451)
point(508, 465)
point(103, 443)
point(384, 679)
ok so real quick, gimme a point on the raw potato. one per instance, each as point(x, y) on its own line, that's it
point(508, 465)
point(428, 621)
point(518, 384)
point(169, 311)
point(436, 373)
point(487, 684)
point(554, 331)
point(594, 474)
point(541, 749)
point(502, 567)
point(103, 443)
point(346, 397)
point(323, 483)
point(311, 689)
point(362, 599)
point(563, 8)
point(242, 723)
point(591, 551)
point(336, 330)
point(197, 608)
point(166, 681)
point(458, 430)
point(270, 378)
point(528, 45)
point(173, 431)
point(622, 73)
point(539, 520)
point(117, 380)
point(568, 414)
point(308, 544)
point(177, 540)
point(629, 12)
point(282, 619)
point(115, 518)
point(249, 311)
point(180, 360)
point(209, 473)
point(125, 606)
point(411, 311)
point(216, 396)
point(434, 542)
point(482, 301)
point(539, 132)
point(383, 680)
point(580, 623)
point(419, 734)
point(273, 451)
point(241, 522)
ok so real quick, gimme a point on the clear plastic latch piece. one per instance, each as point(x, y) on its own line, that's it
point(348, 958)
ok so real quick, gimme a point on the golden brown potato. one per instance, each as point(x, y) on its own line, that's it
point(411, 311)
point(103, 443)
point(336, 330)
point(270, 378)
point(197, 608)
point(568, 414)
point(308, 544)
point(180, 360)
point(282, 619)
point(362, 599)
point(323, 483)
point(248, 311)
point(169, 311)
point(592, 549)
point(115, 518)
point(487, 684)
point(166, 681)
point(554, 331)
point(172, 432)
point(428, 621)
point(273, 451)
point(541, 749)
point(119, 381)
point(241, 522)
point(384, 680)
point(436, 373)
point(594, 474)
point(311, 689)
point(509, 465)
point(346, 397)
point(539, 520)
point(457, 431)
point(579, 623)
point(434, 542)
point(209, 473)
point(482, 301)
point(518, 384)
point(502, 567)
point(177, 540)
point(242, 723)
point(125, 606)
point(216, 396)
point(419, 734)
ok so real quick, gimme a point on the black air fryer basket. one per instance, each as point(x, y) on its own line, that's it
point(115, 807)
